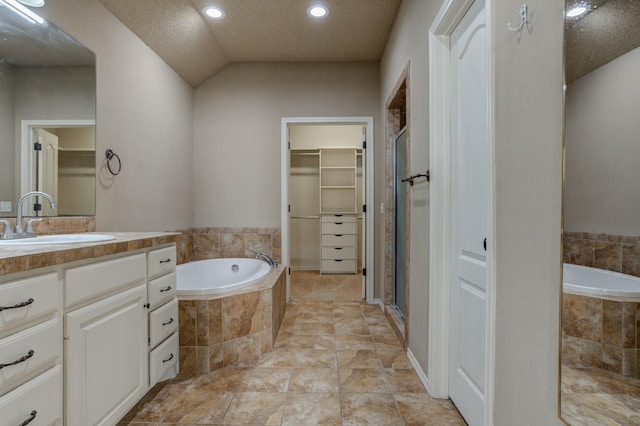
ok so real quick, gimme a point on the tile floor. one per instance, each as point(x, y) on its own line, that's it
point(335, 362)
point(313, 287)
point(595, 397)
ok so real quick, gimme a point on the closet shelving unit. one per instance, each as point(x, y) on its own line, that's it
point(338, 210)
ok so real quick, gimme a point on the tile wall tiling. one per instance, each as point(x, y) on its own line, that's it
point(617, 253)
point(61, 224)
point(223, 242)
point(600, 333)
point(592, 326)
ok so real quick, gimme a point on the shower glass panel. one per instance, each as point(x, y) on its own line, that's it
point(400, 222)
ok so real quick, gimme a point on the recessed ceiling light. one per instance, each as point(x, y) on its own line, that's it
point(214, 12)
point(318, 11)
point(576, 11)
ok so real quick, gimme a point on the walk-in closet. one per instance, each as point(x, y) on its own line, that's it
point(326, 223)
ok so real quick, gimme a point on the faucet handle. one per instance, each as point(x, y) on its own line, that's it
point(30, 222)
point(7, 233)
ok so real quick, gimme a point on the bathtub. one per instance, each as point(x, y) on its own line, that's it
point(592, 282)
point(230, 312)
point(215, 276)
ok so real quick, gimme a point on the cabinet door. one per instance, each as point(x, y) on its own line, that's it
point(106, 359)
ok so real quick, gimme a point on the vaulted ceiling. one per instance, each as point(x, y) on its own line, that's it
point(197, 47)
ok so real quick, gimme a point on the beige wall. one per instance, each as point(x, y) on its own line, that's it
point(528, 117)
point(144, 113)
point(602, 149)
point(527, 198)
point(7, 149)
point(409, 43)
point(237, 118)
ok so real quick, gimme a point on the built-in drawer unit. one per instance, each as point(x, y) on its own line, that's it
point(161, 261)
point(26, 301)
point(25, 354)
point(338, 244)
point(339, 228)
point(84, 283)
point(162, 289)
point(338, 253)
point(163, 322)
point(338, 266)
point(163, 314)
point(37, 402)
point(338, 240)
point(163, 358)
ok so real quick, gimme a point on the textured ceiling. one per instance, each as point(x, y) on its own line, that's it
point(197, 47)
point(609, 31)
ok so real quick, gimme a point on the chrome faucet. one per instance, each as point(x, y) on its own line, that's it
point(269, 260)
point(19, 232)
point(7, 233)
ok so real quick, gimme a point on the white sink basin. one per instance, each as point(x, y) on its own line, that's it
point(58, 239)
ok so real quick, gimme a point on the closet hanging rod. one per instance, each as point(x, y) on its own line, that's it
point(311, 154)
point(410, 179)
point(305, 217)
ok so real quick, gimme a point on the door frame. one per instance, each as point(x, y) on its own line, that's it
point(445, 22)
point(27, 160)
point(368, 260)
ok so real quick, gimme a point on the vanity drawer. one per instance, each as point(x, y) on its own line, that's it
point(163, 322)
point(338, 252)
point(161, 261)
point(33, 350)
point(328, 218)
point(162, 289)
point(338, 240)
point(339, 228)
point(39, 399)
point(162, 359)
point(32, 297)
point(85, 283)
point(338, 266)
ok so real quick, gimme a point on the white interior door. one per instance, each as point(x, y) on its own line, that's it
point(47, 169)
point(470, 215)
point(363, 222)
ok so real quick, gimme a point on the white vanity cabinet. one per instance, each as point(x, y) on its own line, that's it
point(81, 343)
point(163, 314)
point(31, 351)
point(106, 364)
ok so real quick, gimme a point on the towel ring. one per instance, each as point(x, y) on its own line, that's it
point(110, 156)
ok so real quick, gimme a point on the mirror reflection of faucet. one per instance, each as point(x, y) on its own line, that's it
point(20, 232)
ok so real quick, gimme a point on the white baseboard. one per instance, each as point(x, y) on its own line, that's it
point(379, 303)
point(418, 368)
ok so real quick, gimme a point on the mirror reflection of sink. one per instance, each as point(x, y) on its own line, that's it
point(58, 239)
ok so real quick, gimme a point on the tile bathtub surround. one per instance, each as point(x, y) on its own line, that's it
point(318, 373)
point(60, 224)
point(618, 253)
point(224, 242)
point(233, 329)
point(601, 333)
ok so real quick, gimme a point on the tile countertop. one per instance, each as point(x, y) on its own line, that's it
point(23, 258)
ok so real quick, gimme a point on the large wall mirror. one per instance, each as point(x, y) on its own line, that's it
point(600, 368)
point(47, 117)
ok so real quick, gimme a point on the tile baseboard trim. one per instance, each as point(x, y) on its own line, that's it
point(379, 303)
point(419, 371)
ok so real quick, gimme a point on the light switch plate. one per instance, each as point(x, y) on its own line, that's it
point(5, 206)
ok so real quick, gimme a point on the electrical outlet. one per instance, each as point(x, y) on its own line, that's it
point(5, 206)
